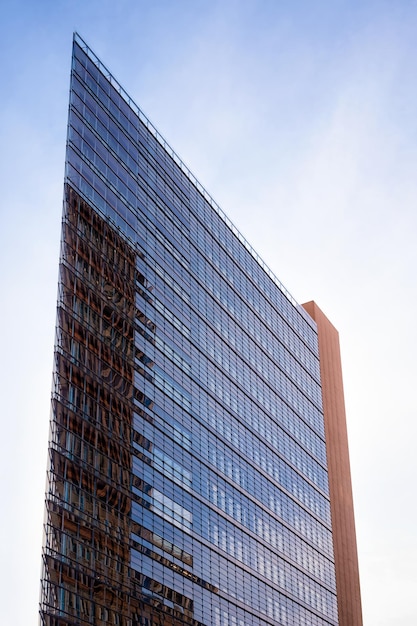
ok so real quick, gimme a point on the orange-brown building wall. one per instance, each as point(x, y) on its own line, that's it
point(341, 500)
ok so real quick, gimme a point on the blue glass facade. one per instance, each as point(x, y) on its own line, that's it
point(188, 481)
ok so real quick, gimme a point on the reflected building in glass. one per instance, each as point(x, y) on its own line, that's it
point(198, 451)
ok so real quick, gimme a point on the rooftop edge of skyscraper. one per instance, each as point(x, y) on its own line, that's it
point(185, 169)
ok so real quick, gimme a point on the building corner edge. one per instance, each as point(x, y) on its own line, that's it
point(340, 485)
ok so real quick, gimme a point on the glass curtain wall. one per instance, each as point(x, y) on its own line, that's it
point(187, 463)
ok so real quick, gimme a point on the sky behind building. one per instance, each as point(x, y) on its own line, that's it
point(300, 118)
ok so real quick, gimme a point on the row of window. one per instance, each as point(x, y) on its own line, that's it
point(236, 583)
point(237, 505)
point(134, 158)
point(268, 499)
point(313, 502)
point(256, 418)
point(235, 400)
point(181, 291)
point(302, 554)
point(260, 279)
point(220, 293)
point(164, 464)
point(244, 474)
point(256, 451)
point(218, 350)
point(209, 257)
point(215, 225)
point(166, 423)
point(104, 200)
point(149, 216)
point(291, 511)
point(138, 134)
point(130, 155)
point(264, 356)
point(232, 429)
point(251, 351)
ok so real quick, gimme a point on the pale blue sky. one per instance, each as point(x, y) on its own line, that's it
point(300, 118)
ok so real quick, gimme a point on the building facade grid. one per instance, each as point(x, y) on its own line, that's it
point(188, 480)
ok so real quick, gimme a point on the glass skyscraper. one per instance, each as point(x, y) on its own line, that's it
point(189, 465)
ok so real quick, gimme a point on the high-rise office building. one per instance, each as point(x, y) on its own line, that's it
point(198, 463)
